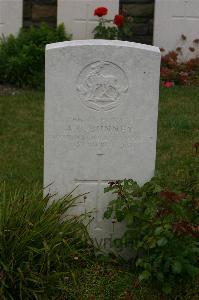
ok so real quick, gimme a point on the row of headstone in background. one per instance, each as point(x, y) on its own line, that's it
point(142, 12)
point(101, 111)
point(11, 15)
point(77, 15)
point(177, 25)
point(172, 18)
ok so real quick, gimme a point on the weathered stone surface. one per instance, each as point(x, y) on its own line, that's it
point(100, 120)
point(77, 15)
point(10, 16)
point(174, 18)
point(138, 10)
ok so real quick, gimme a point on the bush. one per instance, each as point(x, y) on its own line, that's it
point(181, 73)
point(39, 249)
point(162, 227)
point(120, 28)
point(177, 69)
point(22, 58)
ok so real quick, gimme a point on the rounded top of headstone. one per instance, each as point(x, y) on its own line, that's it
point(96, 42)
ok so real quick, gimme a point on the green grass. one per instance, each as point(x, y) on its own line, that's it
point(21, 138)
point(178, 130)
point(21, 162)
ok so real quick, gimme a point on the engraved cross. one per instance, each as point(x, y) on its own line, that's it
point(98, 182)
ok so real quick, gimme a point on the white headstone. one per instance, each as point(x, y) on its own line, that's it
point(77, 15)
point(11, 14)
point(174, 18)
point(101, 112)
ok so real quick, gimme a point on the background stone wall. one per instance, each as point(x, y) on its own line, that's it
point(142, 11)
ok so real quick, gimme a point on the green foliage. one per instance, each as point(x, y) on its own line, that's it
point(104, 31)
point(162, 227)
point(39, 249)
point(22, 58)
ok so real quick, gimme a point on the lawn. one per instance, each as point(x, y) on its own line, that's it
point(21, 161)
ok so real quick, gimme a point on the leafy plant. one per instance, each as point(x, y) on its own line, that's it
point(162, 227)
point(118, 29)
point(22, 58)
point(39, 248)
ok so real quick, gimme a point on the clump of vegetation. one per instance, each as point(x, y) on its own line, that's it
point(162, 227)
point(39, 249)
point(22, 58)
point(180, 71)
point(120, 28)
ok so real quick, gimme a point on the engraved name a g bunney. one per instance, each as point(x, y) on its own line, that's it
point(101, 85)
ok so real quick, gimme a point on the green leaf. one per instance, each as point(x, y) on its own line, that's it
point(108, 213)
point(157, 188)
point(119, 215)
point(160, 276)
point(177, 267)
point(139, 262)
point(192, 270)
point(144, 275)
point(151, 242)
point(195, 250)
point(167, 289)
point(107, 189)
point(129, 218)
point(158, 230)
point(162, 242)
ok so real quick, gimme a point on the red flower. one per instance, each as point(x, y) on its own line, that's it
point(118, 20)
point(101, 11)
point(168, 84)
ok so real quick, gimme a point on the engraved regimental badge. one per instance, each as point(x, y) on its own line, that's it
point(101, 85)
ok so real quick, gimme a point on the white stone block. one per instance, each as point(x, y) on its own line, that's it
point(11, 15)
point(174, 18)
point(77, 15)
point(101, 109)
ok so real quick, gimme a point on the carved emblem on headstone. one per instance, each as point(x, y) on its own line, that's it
point(101, 85)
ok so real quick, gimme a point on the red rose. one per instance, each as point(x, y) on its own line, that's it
point(100, 11)
point(168, 84)
point(119, 20)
